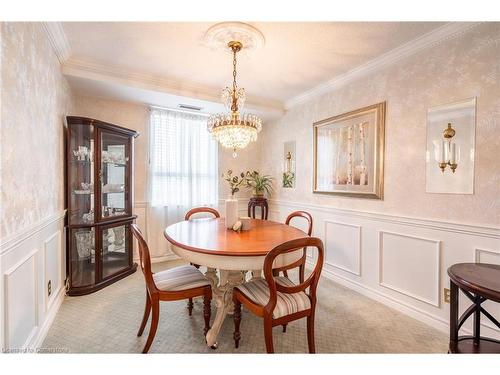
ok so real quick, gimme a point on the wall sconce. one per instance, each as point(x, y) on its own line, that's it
point(289, 165)
point(447, 153)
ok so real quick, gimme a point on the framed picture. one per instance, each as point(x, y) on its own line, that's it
point(349, 153)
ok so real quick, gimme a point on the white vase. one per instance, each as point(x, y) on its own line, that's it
point(231, 212)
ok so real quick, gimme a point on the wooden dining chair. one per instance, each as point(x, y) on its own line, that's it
point(301, 263)
point(173, 284)
point(197, 210)
point(277, 299)
point(188, 215)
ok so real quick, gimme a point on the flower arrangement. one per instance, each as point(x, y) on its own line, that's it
point(234, 181)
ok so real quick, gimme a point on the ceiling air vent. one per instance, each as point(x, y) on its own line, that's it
point(190, 107)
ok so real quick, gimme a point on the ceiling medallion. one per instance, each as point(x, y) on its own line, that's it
point(218, 36)
point(232, 129)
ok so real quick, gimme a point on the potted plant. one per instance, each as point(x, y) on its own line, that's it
point(260, 184)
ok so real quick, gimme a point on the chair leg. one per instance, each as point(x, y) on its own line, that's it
point(284, 328)
point(237, 321)
point(310, 333)
point(155, 306)
point(190, 306)
point(147, 311)
point(207, 299)
point(268, 335)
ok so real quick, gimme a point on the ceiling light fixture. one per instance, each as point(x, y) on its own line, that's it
point(232, 129)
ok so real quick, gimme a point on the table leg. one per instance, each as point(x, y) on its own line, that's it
point(477, 320)
point(222, 293)
point(453, 316)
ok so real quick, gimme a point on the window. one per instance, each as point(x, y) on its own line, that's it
point(183, 160)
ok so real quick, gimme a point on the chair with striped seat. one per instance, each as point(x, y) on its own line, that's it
point(189, 214)
point(276, 298)
point(174, 284)
point(301, 263)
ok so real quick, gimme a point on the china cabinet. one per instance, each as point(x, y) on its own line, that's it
point(99, 201)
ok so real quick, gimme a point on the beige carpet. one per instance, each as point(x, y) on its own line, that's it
point(346, 322)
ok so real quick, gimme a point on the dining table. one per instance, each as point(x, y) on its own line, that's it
point(230, 255)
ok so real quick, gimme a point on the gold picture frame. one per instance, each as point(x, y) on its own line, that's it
point(348, 153)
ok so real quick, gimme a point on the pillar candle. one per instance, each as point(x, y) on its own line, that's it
point(453, 153)
point(441, 152)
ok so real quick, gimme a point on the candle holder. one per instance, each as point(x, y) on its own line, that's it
point(448, 153)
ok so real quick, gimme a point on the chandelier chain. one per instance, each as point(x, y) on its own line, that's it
point(234, 104)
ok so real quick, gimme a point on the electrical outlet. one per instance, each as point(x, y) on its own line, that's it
point(49, 288)
point(446, 295)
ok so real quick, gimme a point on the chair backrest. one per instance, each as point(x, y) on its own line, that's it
point(311, 282)
point(305, 215)
point(196, 210)
point(144, 257)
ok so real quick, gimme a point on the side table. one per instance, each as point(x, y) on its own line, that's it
point(258, 202)
point(479, 282)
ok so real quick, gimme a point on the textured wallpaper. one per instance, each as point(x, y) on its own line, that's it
point(462, 67)
point(35, 96)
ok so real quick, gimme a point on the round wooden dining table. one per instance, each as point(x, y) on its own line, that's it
point(209, 243)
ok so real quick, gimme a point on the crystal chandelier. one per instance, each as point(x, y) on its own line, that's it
point(232, 129)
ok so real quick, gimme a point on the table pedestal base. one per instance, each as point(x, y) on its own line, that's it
point(222, 294)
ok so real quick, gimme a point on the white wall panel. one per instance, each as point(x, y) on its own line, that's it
point(487, 256)
point(52, 266)
point(20, 298)
point(343, 246)
point(28, 260)
point(410, 265)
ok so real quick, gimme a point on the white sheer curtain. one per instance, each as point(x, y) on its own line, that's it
point(183, 171)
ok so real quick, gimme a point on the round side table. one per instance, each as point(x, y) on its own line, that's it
point(479, 282)
point(258, 202)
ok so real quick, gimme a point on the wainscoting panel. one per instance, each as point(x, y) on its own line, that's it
point(343, 246)
point(20, 301)
point(28, 261)
point(487, 256)
point(403, 259)
point(52, 269)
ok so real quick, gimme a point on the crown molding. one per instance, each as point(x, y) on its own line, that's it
point(432, 38)
point(113, 74)
point(58, 40)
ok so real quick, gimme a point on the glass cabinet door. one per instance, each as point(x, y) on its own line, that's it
point(81, 174)
point(116, 249)
point(82, 257)
point(114, 175)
